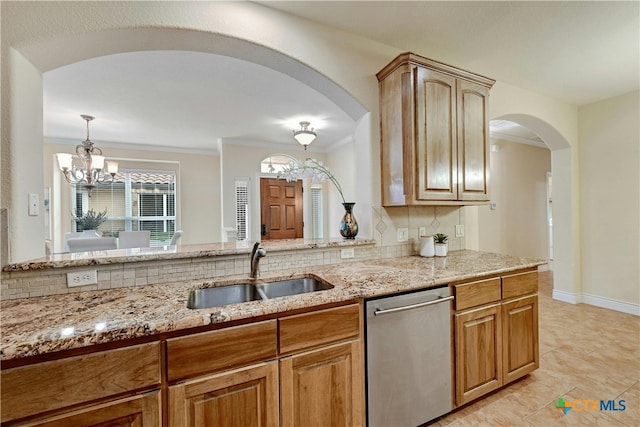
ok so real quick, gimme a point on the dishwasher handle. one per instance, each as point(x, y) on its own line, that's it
point(412, 306)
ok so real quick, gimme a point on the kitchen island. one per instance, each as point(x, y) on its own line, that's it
point(152, 361)
point(36, 326)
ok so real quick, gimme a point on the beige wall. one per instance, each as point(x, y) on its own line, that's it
point(198, 188)
point(518, 224)
point(53, 34)
point(610, 200)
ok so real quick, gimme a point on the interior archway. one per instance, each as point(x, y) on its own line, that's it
point(566, 250)
point(42, 56)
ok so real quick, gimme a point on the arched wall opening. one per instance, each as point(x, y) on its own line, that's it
point(565, 270)
point(24, 140)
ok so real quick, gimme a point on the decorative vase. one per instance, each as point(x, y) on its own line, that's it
point(348, 224)
point(441, 249)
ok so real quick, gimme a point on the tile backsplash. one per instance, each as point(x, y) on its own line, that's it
point(386, 221)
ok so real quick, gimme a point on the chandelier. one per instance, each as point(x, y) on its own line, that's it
point(304, 136)
point(88, 169)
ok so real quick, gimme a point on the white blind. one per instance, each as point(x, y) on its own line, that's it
point(242, 209)
point(136, 200)
point(316, 212)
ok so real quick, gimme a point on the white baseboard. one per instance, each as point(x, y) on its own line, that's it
point(598, 301)
point(611, 304)
point(566, 297)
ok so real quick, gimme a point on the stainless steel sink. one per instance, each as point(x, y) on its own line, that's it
point(285, 288)
point(245, 292)
point(223, 295)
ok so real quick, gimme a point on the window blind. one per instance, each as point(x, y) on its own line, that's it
point(242, 209)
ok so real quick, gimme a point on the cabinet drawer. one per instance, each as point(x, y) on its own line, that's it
point(320, 327)
point(220, 350)
point(33, 389)
point(519, 284)
point(477, 293)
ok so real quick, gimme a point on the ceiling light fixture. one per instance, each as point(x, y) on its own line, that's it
point(89, 166)
point(304, 136)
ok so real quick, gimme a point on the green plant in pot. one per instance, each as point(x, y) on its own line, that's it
point(90, 220)
point(441, 244)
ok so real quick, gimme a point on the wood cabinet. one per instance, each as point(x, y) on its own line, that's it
point(478, 354)
point(299, 370)
point(55, 387)
point(246, 397)
point(496, 333)
point(324, 385)
point(136, 411)
point(434, 129)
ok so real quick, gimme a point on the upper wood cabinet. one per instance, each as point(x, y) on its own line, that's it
point(434, 125)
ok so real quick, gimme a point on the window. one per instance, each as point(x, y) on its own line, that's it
point(137, 200)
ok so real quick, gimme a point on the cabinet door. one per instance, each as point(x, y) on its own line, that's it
point(435, 150)
point(242, 398)
point(520, 337)
point(478, 344)
point(473, 141)
point(324, 387)
point(135, 411)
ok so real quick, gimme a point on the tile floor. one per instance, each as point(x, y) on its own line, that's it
point(586, 352)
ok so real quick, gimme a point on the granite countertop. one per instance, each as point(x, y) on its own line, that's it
point(115, 256)
point(35, 326)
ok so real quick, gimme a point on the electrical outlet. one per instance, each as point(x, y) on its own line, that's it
point(402, 234)
point(82, 278)
point(422, 231)
point(459, 230)
point(347, 253)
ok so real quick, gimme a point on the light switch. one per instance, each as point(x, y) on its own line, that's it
point(34, 204)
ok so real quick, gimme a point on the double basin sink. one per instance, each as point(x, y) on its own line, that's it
point(245, 292)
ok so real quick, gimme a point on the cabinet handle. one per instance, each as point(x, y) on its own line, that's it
point(407, 131)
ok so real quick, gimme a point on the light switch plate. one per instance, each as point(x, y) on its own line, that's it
point(402, 234)
point(34, 204)
point(422, 231)
point(459, 230)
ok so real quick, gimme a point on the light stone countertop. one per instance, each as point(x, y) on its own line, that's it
point(115, 256)
point(36, 326)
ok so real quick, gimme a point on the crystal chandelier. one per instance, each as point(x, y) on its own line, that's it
point(304, 136)
point(89, 167)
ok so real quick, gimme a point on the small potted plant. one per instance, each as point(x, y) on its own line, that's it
point(90, 220)
point(441, 244)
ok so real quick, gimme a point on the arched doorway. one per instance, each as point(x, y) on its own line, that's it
point(566, 251)
point(50, 54)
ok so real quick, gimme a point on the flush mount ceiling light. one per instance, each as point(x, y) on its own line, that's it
point(304, 136)
point(88, 170)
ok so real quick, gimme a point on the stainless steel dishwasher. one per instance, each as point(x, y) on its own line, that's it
point(408, 350)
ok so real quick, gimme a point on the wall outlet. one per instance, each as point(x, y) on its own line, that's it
point(402, 234)
point(459, 230)
point(422, 231)
point(82, 278)
point(347, 253)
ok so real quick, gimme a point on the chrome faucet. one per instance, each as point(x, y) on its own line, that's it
point(256, 254)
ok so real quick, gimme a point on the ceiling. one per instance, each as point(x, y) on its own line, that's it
point(578, 52)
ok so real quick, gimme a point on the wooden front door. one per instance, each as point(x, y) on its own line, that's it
point(281, 209)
